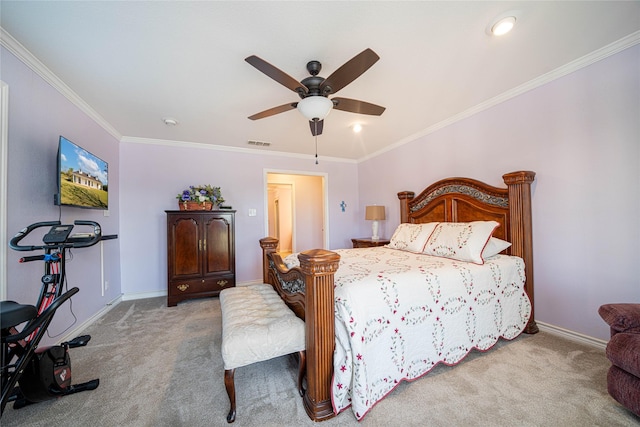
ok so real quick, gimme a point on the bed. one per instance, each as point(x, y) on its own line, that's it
point(405, 306)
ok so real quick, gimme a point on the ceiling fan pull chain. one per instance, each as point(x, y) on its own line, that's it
point(316, 135)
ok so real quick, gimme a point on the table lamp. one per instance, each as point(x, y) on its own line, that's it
point(374, 213)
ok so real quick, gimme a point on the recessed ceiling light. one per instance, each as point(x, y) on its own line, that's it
point(503, 23)
point(357, 127)
point(170, 121)
point(503, 26)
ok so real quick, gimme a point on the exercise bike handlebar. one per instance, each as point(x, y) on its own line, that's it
point(97, 234)
point(13, 243)
point(95, 238)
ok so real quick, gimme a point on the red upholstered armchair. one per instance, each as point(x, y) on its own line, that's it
point(623, 350)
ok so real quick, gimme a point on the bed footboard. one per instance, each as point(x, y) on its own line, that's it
point(308, 290)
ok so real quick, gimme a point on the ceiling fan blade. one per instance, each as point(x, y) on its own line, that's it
point(355, 106)
point(276, 74)
point(350, 71)
point(316, 130)
point(275, 110)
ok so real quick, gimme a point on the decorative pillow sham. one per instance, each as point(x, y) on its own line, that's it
point(462, 241)
point(494, 247)
point(292, 260)
point(411, 237)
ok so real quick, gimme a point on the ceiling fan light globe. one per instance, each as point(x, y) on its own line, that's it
point(315, 107)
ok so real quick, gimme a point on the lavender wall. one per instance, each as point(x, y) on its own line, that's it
point(581, 135)
point(38, 114)
point(153, 174)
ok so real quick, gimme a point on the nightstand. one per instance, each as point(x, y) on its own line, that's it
point(368, 242)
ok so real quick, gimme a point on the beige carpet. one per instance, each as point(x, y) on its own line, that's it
point(161, 366)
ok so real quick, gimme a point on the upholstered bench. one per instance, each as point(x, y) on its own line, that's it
point(257, 326)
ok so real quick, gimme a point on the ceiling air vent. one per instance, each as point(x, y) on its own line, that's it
point(259, 143)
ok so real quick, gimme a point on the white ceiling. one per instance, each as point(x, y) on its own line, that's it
point(137, 62)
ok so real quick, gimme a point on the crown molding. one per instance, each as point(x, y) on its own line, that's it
point(582, 62)
point(21, 52)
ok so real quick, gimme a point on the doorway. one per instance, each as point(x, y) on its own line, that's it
point(296, 210)
point(281, 215)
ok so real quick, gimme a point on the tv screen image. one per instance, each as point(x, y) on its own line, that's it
point(82, 177)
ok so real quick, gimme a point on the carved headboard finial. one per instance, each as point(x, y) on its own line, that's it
point(518, 177)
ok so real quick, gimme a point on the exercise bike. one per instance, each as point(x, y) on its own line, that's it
point(31, 374)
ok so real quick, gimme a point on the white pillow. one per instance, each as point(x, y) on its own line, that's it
point(411, 237)
point(462, 241)
point(494, 247)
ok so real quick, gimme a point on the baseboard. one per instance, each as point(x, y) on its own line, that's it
point(155, 294)
point(572, 335)
point(71, 334)
point(143, 295)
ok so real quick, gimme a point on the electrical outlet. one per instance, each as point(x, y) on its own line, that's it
point(106, 285)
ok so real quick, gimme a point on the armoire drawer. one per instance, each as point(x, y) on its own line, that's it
point(196, 286)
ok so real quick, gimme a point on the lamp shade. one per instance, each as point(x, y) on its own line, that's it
point(315, 107)
point(375, 213)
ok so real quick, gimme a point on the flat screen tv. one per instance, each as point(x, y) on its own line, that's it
point(82, 177)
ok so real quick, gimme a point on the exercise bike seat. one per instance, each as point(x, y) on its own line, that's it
point(13, 314)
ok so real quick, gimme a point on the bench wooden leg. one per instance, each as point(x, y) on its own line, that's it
point(231, 391)
point(302, 367)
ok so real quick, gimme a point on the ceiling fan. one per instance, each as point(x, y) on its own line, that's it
point(314, 90)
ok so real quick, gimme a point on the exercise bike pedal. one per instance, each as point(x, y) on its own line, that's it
point(80, 341)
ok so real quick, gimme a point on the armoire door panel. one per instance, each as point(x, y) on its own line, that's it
point(218, 237)
point(186, 246)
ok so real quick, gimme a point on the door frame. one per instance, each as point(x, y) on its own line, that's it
point(325, 201)
point(4, 160)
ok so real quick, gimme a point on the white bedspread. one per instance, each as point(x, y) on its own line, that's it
point(398, 314)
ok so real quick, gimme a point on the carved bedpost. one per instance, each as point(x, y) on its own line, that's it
point(405, 197)
point(319, 266)
point(268, 245)
point(519, 184)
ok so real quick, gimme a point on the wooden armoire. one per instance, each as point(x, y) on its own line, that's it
point(200, 253)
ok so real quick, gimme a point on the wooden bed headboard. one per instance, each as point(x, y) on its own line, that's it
point(458, 200)
point(308, 289)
